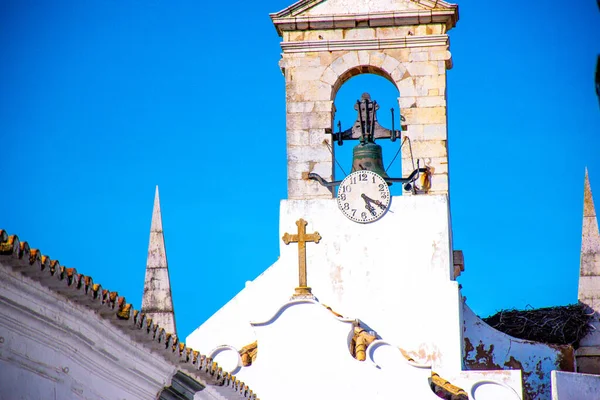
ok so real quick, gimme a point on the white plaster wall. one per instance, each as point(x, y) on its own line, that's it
point(303, 354)
point(572, 386)
point(489, 349)
point(393, 274)
point(51, 348)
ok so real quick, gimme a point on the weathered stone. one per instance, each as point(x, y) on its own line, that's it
point(423, 68)
point(300, 107)
point(363, 57)
point(418, 56)
point(318, 137)
point(431, 115)
point(322, 58)
point(329, 76)
point(431, 101)
point(302, 74)
point(389, 64)
point(300, 154)
point(298, 137)
point(429, 148)
point(157, 302)
point(407, 88)
point(406, 102)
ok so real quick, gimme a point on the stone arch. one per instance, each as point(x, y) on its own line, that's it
point(355, 63)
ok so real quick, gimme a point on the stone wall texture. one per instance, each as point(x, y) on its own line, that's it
point(414, 58)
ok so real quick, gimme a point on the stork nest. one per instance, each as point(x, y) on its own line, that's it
point(552, 325)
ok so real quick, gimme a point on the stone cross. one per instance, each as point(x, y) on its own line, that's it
point(302, 238)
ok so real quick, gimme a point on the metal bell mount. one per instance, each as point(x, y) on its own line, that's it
point(367, 155)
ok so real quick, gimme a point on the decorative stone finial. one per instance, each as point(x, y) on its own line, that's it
point(157, 302)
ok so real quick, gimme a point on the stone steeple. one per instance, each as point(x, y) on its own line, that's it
point(588, 354)
point(157, 302)
point(589, 280)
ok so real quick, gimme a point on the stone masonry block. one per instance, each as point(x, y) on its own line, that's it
point(424, 83)
point(297, 138)
point(300, 106)
point(339, 66)
point(418, 56)
point(406, 87)
point(361, 33)
point(323, 106)
point(423, 68)
point(304, 189)
point(318, 137)
point(398, 73)
point(414, 132)
point(406, 102)
point(430, 115)
point(443, 66)
point(329, 76)
point(296, 170)
point(435, 131)
point(431, 101)
point(351, 59)
point(377, 58)
point(429, 148)
point(302, 154)
point(315, 90)
point(300, 121)
point(389, 64)
point(292, 60)
point(439, 165)
point(302, 74)
point(401, 55)
point(439, 184)
point(438, 55)
point(300, 169)
point(363, 57)
point(426, 132)
point(328, 57)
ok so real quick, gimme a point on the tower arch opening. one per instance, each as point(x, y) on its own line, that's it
point(350, 88)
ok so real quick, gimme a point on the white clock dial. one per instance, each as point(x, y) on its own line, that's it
point(363, 196)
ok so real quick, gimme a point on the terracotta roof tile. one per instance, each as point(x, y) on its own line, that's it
point(82, 290)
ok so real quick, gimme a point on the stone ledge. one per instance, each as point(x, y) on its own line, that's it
point(364, 44)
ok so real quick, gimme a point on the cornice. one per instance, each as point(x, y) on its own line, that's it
point(448, 17)
point(364, 44)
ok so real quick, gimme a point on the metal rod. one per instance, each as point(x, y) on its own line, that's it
point(374, 103)
point(316, 177)
point(393, 135)
point(367, 126)
point(323, 182)
point(362, 123)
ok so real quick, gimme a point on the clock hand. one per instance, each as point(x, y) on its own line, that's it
point(377, 202)
point(368, 206)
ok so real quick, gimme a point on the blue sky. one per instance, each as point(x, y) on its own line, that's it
point(102, 100)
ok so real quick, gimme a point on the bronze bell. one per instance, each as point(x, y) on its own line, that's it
point(368, 156)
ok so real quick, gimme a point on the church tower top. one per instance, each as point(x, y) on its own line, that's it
point(327, 42)
point(157, 302)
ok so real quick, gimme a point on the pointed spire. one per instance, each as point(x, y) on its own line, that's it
point(589, 275)
point(157, 302)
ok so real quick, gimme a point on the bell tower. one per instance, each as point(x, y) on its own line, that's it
point(327, 42)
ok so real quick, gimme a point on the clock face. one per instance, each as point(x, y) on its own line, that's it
point(363, 196)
